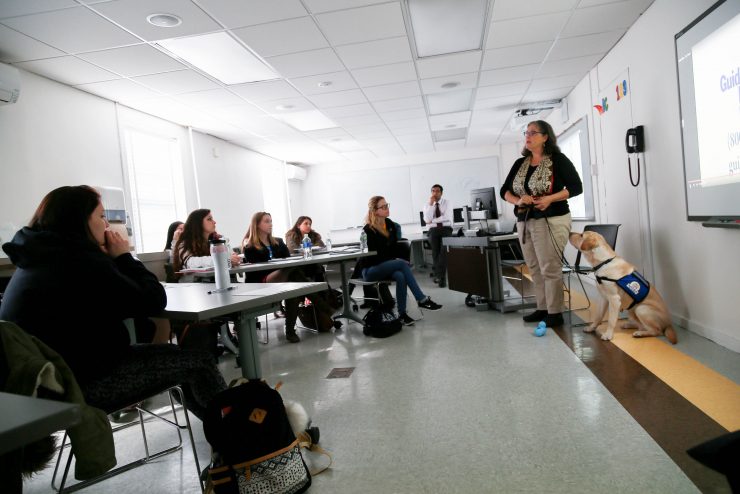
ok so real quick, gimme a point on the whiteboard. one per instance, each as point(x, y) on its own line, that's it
point(407, 188)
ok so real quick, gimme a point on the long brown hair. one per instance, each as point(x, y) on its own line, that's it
point(66, 210)
point(376, 223)
point(192, 241)
point(551, 144)
point(252, 237)
point(295, 232)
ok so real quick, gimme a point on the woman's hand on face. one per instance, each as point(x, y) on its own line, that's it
point(543, 202)
point(115, 245)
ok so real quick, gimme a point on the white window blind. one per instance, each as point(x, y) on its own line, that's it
point(156, 184)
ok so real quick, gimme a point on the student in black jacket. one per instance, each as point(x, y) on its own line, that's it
point(75, 283)
point(385, 265)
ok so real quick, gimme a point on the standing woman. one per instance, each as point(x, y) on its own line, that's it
point(384, 265)
point(75, 283)
point(303, 226)
point(192, 249)
point(539, 185)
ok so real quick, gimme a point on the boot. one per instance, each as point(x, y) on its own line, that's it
point(291, 335)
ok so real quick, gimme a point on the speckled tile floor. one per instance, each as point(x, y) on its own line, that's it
point(464, 401)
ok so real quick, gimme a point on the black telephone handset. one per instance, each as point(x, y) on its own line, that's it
point(634, 142)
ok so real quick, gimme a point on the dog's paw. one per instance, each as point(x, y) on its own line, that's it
point(589, 329)
point(606, 336)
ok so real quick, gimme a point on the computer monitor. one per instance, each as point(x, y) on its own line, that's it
point(457, 215)
point(484, 200)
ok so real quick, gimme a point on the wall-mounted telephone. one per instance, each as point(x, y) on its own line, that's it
point(634, 142)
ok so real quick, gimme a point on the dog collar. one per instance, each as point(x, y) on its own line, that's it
point(598, 266)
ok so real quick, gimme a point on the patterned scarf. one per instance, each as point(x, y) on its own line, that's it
point(540, 183)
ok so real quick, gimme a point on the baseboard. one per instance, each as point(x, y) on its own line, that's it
point(731, 342)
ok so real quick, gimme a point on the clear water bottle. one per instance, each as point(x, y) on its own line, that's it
point(363, 241)
point(307, 247)
point(220, 255)
point(328, 244)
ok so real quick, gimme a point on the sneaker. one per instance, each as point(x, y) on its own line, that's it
point(536, 316)
point(554, 320)
point(291, 336)
point(428, 304)
point(406, 320)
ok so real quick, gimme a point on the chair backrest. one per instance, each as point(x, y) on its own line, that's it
point(403, 249)
point(609, 232)
point(421, 219)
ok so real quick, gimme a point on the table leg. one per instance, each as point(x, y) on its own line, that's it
point(347, 312)
point(249, 355)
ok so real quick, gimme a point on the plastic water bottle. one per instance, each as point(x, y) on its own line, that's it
point(220, 255)
point(307, 247)
point(363, 241)
point(328, 244)
point(228, 252)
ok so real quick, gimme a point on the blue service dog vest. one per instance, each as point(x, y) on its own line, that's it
point(633, 284)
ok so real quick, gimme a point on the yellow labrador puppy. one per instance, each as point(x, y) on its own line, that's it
point(623, 288)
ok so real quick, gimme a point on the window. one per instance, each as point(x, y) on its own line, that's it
point(156, 184)
point(574, 144)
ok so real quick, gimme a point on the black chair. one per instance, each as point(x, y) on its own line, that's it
point(609, 232)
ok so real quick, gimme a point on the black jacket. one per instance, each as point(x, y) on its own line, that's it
point(253, 254)
point(74, 298)
point(385, 247)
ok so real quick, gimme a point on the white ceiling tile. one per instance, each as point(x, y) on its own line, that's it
point(589, 20)
point(328, 133)
point(265, 91)
point(449, 102)
point(457, 63)
point(510, 9)
point(450, 120)
point(350, 110)
point(340, 81)
point(489, 117)
point(415, 124)
point(280, 38)
point(509, 74)
point(17, 47)
point(166, 108)
point(13, 8)
point(132, 14)
point(465, 81)
point(342, 144)
point(374, 53)
point(592, 44)
point(525, 30)
point(399, 104)
point(239, 13)
point(420, 130)
point(318, 6)
point(306, 63)
point(177, 82)
point(569, 66)
point(68, 70)
point(421, 138)
point(131, 61)
point(388, 151)
point(359, 155)
point(449, 145)
point(385, 74)
point(515, 55)
point(122, 90)
point(504, 101)
point(392, 91)
point(369, 131)
point(418, 147)
point(287, 105)
point(90, 32)
point(210, 98)
point(558, 93)
point(393, 116)
point(239, 115)
point(358, 120)
point(339, 98)
point(511, 89)
point(363, 24)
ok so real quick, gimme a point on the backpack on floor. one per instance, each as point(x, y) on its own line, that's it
point(380, 323)
point(254, 448)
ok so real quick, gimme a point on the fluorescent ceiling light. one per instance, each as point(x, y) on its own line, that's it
point(442, 26)
point(220, 56)
point(306, 120)
point(453, 101)
point(449, 135)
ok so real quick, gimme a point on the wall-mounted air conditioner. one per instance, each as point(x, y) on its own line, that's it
point(10, 84)
point(295, 172)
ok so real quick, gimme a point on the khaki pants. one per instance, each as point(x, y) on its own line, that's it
point(543, 241)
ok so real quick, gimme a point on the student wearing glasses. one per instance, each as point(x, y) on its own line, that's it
point(384, 265)
point(539, 185)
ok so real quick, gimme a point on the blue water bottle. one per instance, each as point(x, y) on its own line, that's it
point(306, 247)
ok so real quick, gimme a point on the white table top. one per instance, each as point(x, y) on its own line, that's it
point(192, 301)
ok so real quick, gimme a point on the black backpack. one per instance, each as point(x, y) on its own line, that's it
point(380, 323)
point(255, 449)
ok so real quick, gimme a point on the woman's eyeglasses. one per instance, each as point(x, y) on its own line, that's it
point(532, 133)
point(384, 206)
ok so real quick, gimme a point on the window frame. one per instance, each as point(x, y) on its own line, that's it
point(580, 127)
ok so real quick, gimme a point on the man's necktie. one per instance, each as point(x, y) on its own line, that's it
point(437, 213)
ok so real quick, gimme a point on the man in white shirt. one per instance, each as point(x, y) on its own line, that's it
point(437, 216)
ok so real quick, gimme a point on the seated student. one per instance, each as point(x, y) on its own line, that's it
point(192, 249)
point(381, 238)
point(75, 283)
point(173, 235)
point(260, 246)
point(294, 236)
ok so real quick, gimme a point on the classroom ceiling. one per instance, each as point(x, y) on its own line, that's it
point(353, 62)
